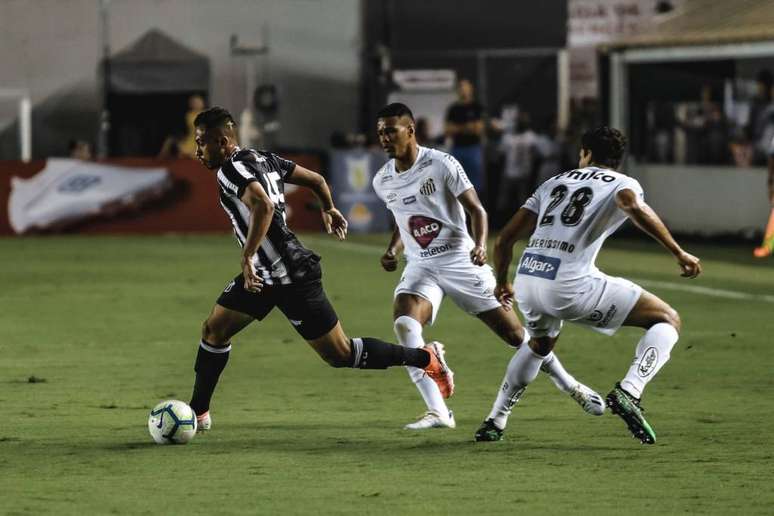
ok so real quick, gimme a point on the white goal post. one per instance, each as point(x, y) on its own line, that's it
point(25, 119)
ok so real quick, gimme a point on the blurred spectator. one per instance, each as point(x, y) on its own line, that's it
point(713, 137)
point(518, 177)
point(662, 123)
point(423, 132)
point(762, 117)
point(465, 127)
point(185, 146)
point(704, 132)
point(548, 149)
point(79, 149)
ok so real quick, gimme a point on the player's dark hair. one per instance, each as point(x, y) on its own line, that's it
point(215, 117)
point(607, 145)
point(395, 109)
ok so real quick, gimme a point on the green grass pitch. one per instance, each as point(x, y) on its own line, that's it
point(95, 330)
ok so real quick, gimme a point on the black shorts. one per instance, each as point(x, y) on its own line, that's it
point(304, 304)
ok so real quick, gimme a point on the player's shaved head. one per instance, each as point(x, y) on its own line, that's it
point(395, 129)
point(216, 119)
point(395, 109)
point(215, 136)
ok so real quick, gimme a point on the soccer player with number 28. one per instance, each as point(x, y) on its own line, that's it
point(428, 193)
point(567, 220)
point(276, 269)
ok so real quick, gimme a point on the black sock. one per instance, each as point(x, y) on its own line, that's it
point(370, 353)
point(208, 367)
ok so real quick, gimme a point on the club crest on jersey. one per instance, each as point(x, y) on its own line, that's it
point(424, 229)
point(428, 187)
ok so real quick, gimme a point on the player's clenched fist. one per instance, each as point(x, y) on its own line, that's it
point(478, 255)
point(690, 265)
point(389, 261)
point(504, 294)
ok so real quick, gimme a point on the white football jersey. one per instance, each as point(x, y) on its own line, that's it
point(576, 213)
point(423, 200)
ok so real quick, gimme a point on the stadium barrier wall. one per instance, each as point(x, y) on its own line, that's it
point(707, 200)
point(700, 200)
point(192, 206)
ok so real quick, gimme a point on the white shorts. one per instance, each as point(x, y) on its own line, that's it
point(599, 301)
point(471, 287)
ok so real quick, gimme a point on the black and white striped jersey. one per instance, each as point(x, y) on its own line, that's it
point(281, 258)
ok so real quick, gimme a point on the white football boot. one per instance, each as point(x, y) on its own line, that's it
point(432, 419)
point(588, 399)
point(203, 422)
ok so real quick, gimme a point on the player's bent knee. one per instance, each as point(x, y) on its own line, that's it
point(517, 337)
point(673, 318)
point(212, 336)
point(514, 339)
point(542, 345)
point(666, 315)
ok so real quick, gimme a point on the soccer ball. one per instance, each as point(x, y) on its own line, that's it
point(172, 422)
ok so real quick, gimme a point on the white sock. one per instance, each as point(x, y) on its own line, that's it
point(409, 333)
point(522, 369)
point(563, 380)
point(652, 353)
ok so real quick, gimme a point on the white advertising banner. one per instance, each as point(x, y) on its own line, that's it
point(67, 191)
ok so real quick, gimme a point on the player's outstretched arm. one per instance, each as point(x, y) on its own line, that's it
point(478, 224)
point(261, 212)
point(521, 226)
point(389, 259)
point(334, 221)
point(648, 221)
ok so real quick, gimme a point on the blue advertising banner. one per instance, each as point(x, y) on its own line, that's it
point(351, 174)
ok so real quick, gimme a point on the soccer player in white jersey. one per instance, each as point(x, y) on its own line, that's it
point(428, 194)
point(567, 220)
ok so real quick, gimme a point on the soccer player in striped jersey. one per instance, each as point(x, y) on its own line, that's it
point(277, 270)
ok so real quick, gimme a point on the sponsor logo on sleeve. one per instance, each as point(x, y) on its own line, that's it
point(540, 266)
point(424, 164)
point(424, 229)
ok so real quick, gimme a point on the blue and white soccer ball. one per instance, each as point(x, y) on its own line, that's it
point(172, 422)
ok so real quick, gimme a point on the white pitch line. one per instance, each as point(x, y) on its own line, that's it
point(705, 291)
point(693, 289)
